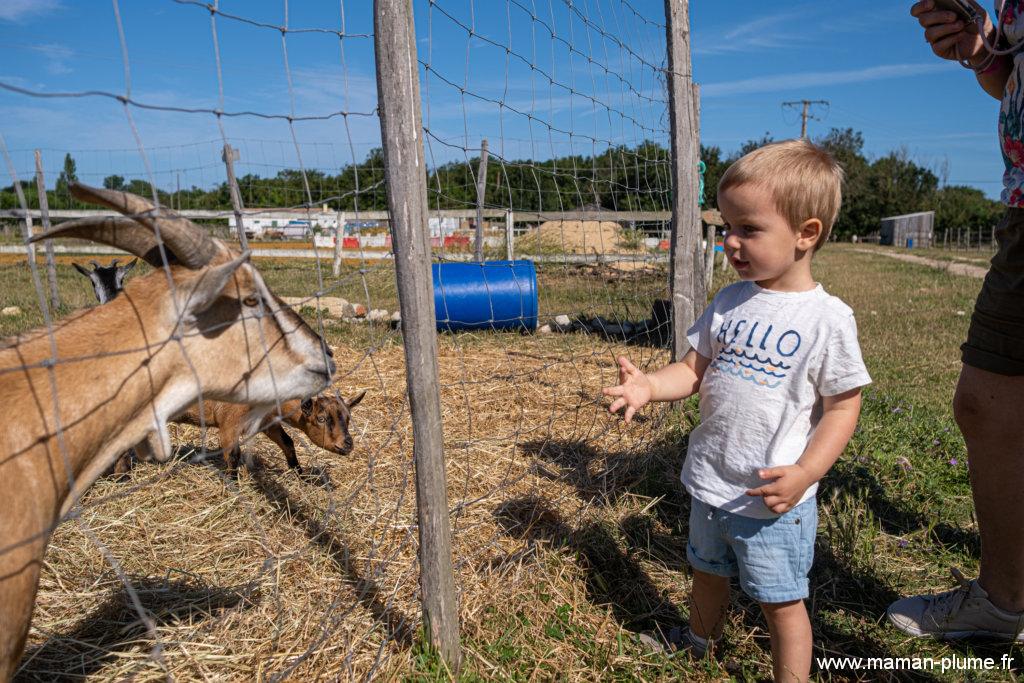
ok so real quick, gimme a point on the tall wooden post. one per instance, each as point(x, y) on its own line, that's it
point(510, 236)
point(481, 192)
point(339, 240)
point(685, 271)
point(401, 130)
point(44, 214)
point(709, 257)
point(229, 156)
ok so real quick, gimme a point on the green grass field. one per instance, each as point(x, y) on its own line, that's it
point(570, 529)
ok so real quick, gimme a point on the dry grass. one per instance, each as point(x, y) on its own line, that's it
point(569, 530)
point(318, 576)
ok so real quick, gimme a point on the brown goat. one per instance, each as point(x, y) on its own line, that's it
point(324, 419)
point(202, 325)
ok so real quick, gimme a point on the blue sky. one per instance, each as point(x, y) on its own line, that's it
point(868, 59)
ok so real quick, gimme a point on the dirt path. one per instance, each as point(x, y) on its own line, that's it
point(953, 267)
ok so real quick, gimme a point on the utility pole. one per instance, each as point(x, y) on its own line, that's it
point(806, 112)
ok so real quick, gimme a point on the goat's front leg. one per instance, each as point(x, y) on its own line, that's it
point(279, 436)
point(19, 581)
point(231, 435)
point(231, 448)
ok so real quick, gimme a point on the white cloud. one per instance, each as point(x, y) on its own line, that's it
point(768, 32)
point(796, 25)
point(782, 82)
point(57, 57)
point(18, 10)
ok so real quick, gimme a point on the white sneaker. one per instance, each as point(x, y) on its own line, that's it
point(964, 612)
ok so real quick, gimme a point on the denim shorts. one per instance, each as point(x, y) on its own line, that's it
point(995, 340)
point(771, 557)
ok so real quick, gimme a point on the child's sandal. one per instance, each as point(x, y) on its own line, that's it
point(685, 640)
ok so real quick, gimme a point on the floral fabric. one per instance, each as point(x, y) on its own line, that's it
point(1011, 112)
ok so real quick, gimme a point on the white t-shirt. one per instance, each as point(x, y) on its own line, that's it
point(773, 356)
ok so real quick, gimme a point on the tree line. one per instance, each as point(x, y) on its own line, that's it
point(621, 178)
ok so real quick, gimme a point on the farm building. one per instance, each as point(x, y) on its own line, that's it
point(908, 230)
point(285, 222)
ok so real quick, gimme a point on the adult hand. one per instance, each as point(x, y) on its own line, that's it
point(950, 36)
point(788, 485)
point(633, 391)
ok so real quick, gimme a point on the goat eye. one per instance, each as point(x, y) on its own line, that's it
point(321, 419)
point(251, 300)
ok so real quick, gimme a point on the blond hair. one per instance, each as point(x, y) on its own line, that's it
point(805, 181)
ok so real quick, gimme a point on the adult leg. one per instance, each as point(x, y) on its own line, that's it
point(988, 409)
point(790, 631)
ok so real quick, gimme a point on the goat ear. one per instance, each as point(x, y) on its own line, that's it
point(307, 407)
point(81, 269)
point(130, 265)
point(353, 402)
point(210, 284)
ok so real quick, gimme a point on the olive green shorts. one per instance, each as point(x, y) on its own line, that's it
point(995, 340)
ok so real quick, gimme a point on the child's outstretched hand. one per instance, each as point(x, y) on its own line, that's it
point(786, 489)
point(633, 391)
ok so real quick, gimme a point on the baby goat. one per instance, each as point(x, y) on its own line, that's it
point(324, 419)
point(107, 281)
point(203, 324)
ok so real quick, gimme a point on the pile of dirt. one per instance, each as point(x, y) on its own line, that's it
point(579, 237)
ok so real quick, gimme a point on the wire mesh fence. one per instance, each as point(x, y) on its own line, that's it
point(546, 134)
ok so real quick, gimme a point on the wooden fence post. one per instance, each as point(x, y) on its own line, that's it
point(481, 192)
point(339, 239)
point(510, 237)
point(44, 215)
point(709, 257)
point(685, 276)
point(401, 129)
point(229, 156)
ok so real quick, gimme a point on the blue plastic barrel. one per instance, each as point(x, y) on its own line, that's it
point(499, 295)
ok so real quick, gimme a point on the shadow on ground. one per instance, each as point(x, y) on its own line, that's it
point(612, 556)
point(115, 625)
point(396, 626)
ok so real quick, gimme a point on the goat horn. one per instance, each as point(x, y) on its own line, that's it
point(192, 246)
point(117, 231)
